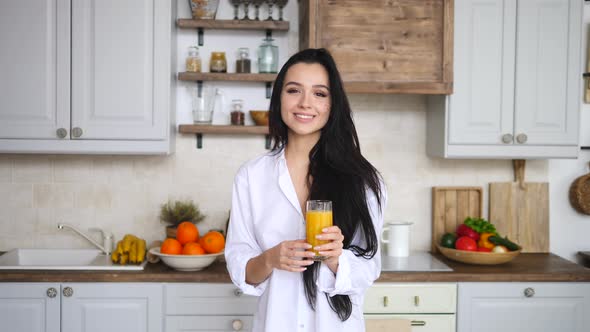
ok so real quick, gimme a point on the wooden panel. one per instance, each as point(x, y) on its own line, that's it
point(450, 207)
point(190, 76)
point(216, 129)
point(382, 47)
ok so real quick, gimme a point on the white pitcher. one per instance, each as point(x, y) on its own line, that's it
point(396, 237)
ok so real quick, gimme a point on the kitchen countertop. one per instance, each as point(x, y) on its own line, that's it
point(525, 267)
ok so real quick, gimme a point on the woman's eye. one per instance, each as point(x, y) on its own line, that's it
point(321, 94)
point(292, 90)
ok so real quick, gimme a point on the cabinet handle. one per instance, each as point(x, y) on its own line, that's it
point(68, 291)
point(385, 301)
point(238, 292)
point(529, 292)
point(61, 133)
point(506, 138)
point(237, 324)
point(51, 292)
point(521, 138)
point(416, 300)
point(77, 132)
point(418, 323)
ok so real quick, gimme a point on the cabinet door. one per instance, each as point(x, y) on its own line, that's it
point(208, 323)
point(112, 307)
point(482, 103)
point(492, 307)
point(120, 58)
point(547, 102)
point(35, 67)
point(30, 307)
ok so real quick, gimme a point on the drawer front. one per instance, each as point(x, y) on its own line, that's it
point(208, 299)
point(411, 298)
point(208, 323)
point(420, 323)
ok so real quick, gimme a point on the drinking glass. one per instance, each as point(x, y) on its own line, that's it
point(270, 5)
point(203, 104)
point(246, 7)
point(318, 216)
point(257, 4)
point(236, 4)
point(281, 4)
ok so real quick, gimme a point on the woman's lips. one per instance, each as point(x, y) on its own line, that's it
point(305, 118)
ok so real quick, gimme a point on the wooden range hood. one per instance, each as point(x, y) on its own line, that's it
point(384, 46)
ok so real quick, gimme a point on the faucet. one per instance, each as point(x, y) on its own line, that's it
point(107, 238)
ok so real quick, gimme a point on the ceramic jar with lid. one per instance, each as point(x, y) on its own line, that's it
point(237, 115)
point(218, 64)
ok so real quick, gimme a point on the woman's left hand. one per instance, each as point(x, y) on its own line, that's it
point(331, 250)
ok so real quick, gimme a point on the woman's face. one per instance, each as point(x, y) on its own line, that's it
point(305, 99)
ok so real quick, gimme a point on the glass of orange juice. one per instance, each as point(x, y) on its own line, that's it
point(317, 217)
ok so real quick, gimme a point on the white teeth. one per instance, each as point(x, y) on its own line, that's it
point(303, 116)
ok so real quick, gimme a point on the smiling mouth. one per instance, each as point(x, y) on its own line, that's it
point(304, 116)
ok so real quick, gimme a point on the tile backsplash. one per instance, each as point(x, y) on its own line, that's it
point(122, 194)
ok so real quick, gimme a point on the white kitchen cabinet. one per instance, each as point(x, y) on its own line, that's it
point(517, 82)
point(80, 307)
point(207, 307)
point(523, 307)
point(428, 306)
point(87, 76)
point(31, 307)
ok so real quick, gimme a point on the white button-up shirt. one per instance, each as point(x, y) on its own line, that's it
point(266, 211)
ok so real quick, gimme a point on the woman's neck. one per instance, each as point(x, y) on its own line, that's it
point(298, 147)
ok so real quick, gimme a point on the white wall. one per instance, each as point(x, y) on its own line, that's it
point(569, 229)
point(123, 193)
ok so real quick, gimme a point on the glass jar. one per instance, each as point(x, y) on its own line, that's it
point(204, 9)
point(243, 61)
point(193, 60)
point(268, 57)
point(218, 64)
point(237, 115)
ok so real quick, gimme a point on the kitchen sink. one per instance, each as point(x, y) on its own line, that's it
point(60, 259)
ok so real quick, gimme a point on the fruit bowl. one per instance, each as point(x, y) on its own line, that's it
point(260, 117)
point(476, 257)
point(186, 262)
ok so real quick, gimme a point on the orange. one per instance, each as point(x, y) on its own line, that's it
point(192, 248)
point(187, 232)
point(213, 242)
point(171, 247)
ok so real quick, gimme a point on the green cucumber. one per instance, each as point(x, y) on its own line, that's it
point(503, 242)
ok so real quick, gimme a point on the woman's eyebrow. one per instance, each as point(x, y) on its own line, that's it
point(315, 86)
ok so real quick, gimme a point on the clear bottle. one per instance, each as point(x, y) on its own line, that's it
point(243, 61)
point(218, 64)
point(268, 57)
point(237, 115)
point(193, 60)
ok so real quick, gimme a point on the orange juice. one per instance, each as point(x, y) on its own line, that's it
point(315, 221)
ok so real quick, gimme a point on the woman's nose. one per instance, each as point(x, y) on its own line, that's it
point(304, 100)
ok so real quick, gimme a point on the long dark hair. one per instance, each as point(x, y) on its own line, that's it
point(337, 171)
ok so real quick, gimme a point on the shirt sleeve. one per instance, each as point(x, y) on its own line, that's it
point(241, 243)
point(355, 274)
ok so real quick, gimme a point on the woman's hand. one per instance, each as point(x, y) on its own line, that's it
point(289, 256)
point(331, 250)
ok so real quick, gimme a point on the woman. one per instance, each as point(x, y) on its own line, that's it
point(315, 155)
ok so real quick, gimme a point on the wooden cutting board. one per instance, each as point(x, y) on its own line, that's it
point(520, 210)
point(450, 207)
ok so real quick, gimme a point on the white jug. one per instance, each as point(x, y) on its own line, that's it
point(396, 237)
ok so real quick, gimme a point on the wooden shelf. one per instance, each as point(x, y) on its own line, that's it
point(199, 130)
point(217, 129)
point(232, 24)
point(190, 76)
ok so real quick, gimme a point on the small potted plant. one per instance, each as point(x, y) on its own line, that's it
point(173, 213)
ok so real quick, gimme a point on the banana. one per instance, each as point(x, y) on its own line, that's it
point(129, 250)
